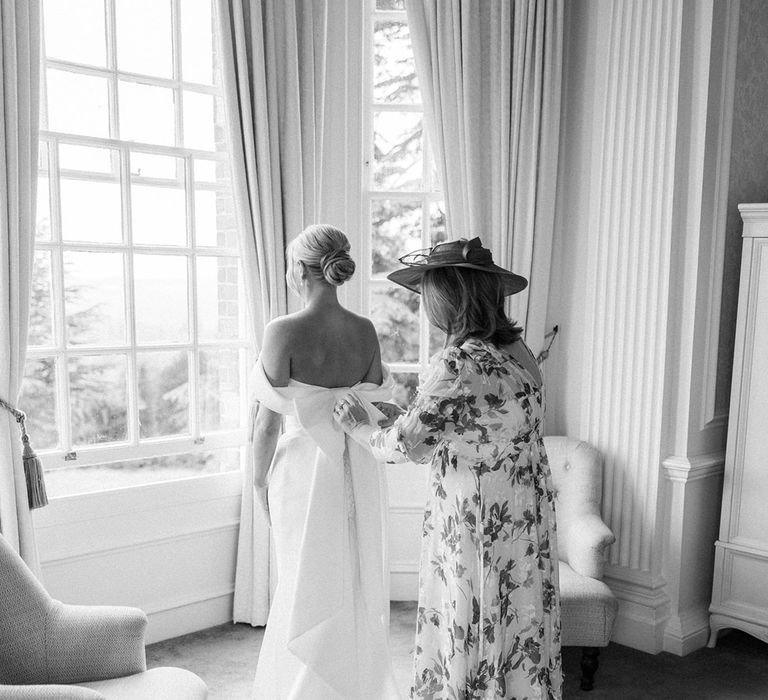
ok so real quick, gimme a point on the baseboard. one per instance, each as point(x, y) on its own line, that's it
point(643, 612)
point(687, 632)
point(183, 617)
point(404, 581)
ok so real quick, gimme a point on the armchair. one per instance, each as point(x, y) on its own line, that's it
point(78, 652)
point(588, 608)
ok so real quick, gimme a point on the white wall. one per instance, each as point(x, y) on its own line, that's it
point(640, 222)
point(166, 548)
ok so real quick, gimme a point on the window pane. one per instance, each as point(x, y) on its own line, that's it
point(98, 399)
point(144, 37)
point(396, 231)
point(162, 306)
point(397, 151)
point(74, 31)
point(434, 175)
point(197, 41)
point(90, 211)
point(115, 475)
point(41, 301)
point(77, 104)
point(394, 70)
point(151, 165)
point(395, 313)
point(88, 159)
point(219, 389)
point(205, 171)
point(146, 113)
point(437, 233)
point(163, 380)
point(218, 313)
point(94, 295)
point(205, 218)
point(38, 401)
point(436, 340)
point(158, 215)
point(199, 121)
point(390, 4)
point(406, 384)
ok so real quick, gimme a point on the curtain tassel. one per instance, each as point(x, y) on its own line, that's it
point(33, 468)
point(33, 473)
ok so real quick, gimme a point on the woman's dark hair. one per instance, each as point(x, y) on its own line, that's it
point(468, 303)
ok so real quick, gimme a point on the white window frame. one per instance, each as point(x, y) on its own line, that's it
point(195, 441)
point(428, 195)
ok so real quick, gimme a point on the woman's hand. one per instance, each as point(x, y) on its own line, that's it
point(349, 412)
point(261, 492)
point(391, 412)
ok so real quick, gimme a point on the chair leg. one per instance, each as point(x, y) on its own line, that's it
point(589, 664)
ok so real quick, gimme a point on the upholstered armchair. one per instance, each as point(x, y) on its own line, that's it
point(588, 608)
point(75, 652)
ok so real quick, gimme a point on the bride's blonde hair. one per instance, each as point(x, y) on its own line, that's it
point(324, 250)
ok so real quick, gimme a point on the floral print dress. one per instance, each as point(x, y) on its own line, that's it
point(489, 612)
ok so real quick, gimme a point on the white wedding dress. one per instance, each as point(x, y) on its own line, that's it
point(327, 633)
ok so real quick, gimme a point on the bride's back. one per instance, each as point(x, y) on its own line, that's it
point(324, 344)
point(333, 348)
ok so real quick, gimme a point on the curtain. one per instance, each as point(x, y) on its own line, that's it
point(490, 73)
point(273, 63)
point(19, 102)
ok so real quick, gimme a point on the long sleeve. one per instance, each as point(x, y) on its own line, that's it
point(443, 408)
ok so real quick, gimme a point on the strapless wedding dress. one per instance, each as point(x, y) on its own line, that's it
point(327, 633)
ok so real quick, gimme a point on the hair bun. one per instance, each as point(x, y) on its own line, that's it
point(337, 266)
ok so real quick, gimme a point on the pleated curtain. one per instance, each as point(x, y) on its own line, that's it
point(490, 73)
point(273, 63)
point(19, 103)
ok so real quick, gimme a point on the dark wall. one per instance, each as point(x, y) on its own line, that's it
point(748, 181)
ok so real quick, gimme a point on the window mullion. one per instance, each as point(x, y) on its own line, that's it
point(111, 34)
point(43, 95)
point(59, 311)
point(130, 297)
point(193, 357)
point(177, 73)
point(93, 455)
point(138, 146)
point(397, 107)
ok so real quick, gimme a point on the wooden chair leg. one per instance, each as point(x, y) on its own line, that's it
point(589, 664)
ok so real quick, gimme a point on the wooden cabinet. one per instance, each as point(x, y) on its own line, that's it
point(740, 588)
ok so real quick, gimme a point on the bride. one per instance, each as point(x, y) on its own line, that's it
point(327, 636)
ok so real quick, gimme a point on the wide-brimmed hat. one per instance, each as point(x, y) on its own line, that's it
point(459, 253)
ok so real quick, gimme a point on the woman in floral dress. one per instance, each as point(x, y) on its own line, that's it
point(489, 614)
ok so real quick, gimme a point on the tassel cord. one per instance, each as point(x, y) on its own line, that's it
point(20, 416)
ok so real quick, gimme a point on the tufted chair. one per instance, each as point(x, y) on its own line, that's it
point(588, 608)
point(49, 650)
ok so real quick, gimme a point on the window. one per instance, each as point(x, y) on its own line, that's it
point(137, 341)
point(403, 204)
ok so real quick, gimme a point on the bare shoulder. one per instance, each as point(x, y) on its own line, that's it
point(279, 333)
point(366, 331)
point(364, 326)
point(275, 349)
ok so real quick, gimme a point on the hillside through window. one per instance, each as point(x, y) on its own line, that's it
point(138, 340)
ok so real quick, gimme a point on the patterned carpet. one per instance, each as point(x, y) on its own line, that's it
point(225, 657)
